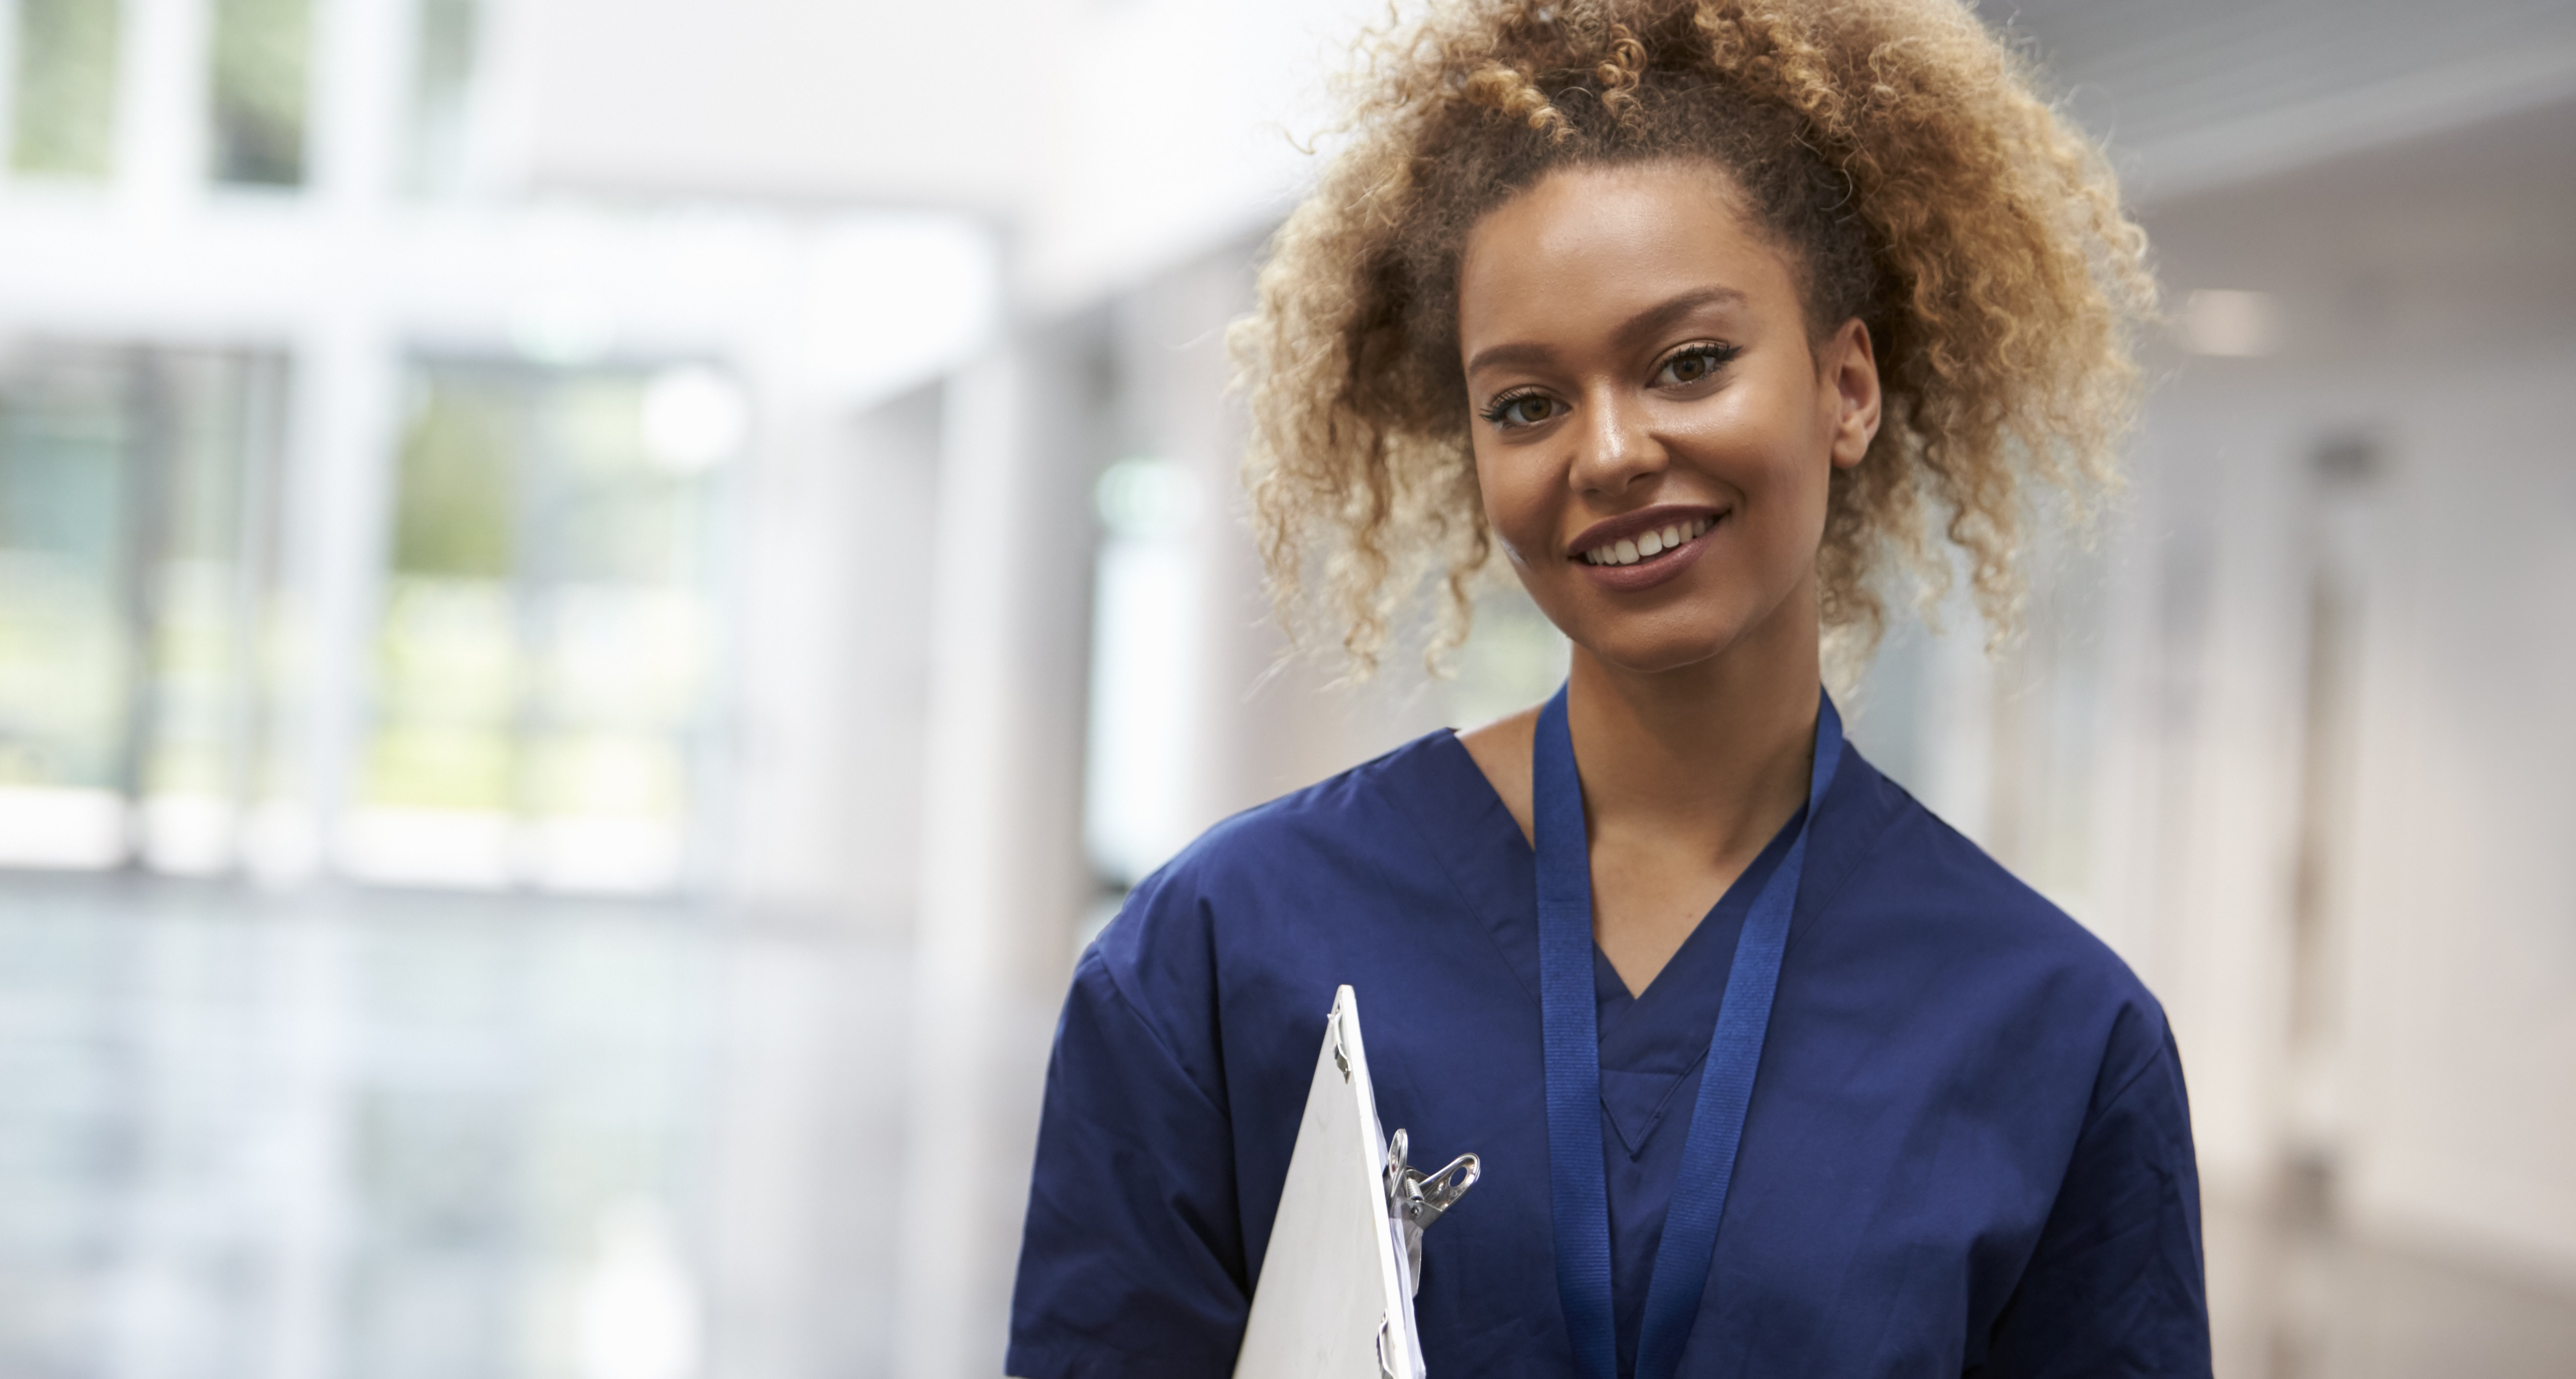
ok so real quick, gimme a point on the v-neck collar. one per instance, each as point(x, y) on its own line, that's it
point(1700, 965)
point(1653, 1041)
point(1478, 843)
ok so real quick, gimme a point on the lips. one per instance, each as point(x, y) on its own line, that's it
point(1640, 550)
point(1646, 545)
point(1598, 544)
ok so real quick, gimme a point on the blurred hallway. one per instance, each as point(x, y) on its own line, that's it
point(592, 610)
point(2300, 1299)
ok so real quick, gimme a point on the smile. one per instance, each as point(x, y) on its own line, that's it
point(1647, 545)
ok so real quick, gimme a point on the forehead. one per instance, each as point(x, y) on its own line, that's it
point(1598, 244)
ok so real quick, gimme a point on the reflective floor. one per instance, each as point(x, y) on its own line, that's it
point(424, 1137)
point(432, 1138)
point(2291, 1299)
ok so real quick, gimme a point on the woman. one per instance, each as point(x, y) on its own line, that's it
point(1707, 316)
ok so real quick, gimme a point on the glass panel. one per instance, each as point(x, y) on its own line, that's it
point(67, 426)
point(64, 121)
point(260, 53)
point(544, 655)
point(448, 684)
point(134, 583)
point(1145, 631)
point(218, 419)
point(443, 55)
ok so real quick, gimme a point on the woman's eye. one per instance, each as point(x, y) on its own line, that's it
point(1525, 409)
point(1696, 364)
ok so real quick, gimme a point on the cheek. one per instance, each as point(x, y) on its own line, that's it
point(1790, 513)
point(1771, 459)
point(1756, 451)
point(1515, 506)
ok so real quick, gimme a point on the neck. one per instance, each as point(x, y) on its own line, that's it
point(1717, 751)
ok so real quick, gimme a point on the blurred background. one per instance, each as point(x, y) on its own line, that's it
point(596, 596)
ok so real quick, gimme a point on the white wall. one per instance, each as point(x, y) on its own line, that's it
point(1003, 879)
point(835, 677)
point(2424, 293)
point(787, 99)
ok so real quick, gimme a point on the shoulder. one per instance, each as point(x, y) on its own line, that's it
point(1382, 806)
point(1315, 858)
point(1944, 884)
point(1924, 895)
point(1502, 750)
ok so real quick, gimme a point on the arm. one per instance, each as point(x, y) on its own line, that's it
point(2114, 1287)
point(1132, 1259)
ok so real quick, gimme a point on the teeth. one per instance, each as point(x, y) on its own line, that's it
point(1653, 543)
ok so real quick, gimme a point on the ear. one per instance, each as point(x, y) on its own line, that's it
point(1851, 384)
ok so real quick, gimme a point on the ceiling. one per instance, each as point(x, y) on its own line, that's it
point(1111, 135)
point(2195, 94)
point(2461, 241)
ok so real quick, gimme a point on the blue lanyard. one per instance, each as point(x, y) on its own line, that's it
point(1570, 1029)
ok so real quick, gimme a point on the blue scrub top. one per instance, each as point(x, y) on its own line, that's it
point(1967, 1152)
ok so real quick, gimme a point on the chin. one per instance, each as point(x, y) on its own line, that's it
point(1656, 650)
point(1727, 613)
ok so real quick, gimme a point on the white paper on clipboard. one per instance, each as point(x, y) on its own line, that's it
point(1335, 1298)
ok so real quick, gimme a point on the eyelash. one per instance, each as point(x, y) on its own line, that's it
point(1716, 357)
point(1497, 411)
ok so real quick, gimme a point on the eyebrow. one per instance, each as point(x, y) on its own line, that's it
point(1654, 320)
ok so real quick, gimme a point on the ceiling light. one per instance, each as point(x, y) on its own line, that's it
point(2231, 324)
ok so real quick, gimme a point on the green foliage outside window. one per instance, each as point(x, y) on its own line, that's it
point(452, 508)
point(64, 121)
point(444, 48)
point(262, 48)
point(545, 639)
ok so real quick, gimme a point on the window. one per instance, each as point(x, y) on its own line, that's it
point(1137, 809)
point(136, 493)
point(64, 118)
point(443, 62)
point(257, 118)
point(544, 659)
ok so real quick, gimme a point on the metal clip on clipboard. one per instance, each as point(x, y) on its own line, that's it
point(1335, 1296)
point(1415, 1199)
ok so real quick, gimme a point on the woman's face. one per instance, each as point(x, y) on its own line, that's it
point(1654, 431)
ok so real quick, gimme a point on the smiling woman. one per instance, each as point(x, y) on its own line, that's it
point(1893, 153)
point(1628, 336)
point(1695, 315)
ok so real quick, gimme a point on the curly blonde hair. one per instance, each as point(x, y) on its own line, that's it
point(1894, 149)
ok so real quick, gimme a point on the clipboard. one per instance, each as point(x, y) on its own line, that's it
point(1335, 1298)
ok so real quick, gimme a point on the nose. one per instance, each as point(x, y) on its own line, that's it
point(1614, 447)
